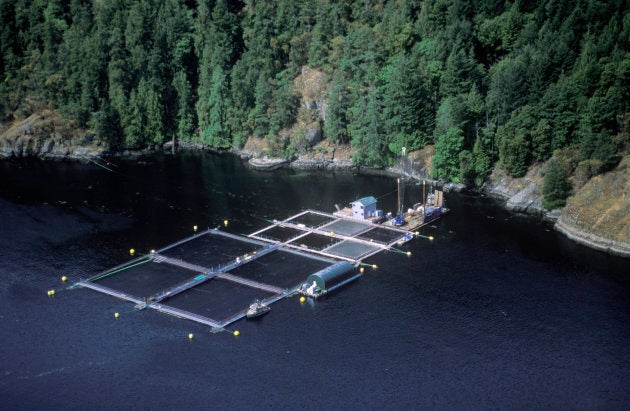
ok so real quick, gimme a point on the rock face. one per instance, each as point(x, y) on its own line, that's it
point(328, 157)
point(598, 215)
point(303, 163)
point(311, 85)
point(267, 164)
point(47, 135)
point(524, 194)
point(416, 164)
point(313, 133)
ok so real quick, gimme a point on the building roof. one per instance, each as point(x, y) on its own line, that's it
point(365, 201)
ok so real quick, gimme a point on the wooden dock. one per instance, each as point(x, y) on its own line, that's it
point(416, 221)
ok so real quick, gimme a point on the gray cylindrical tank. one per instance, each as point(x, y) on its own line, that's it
point(331, 275)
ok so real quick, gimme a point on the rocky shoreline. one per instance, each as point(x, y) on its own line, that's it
point(591, 240)
point(46, 135)
point(520, 195)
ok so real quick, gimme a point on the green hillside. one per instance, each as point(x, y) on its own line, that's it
point(484, 81)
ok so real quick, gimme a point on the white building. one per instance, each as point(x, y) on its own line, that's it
point(364, 208)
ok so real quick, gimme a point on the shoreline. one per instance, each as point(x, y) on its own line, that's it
point(593, 241)
point(582, 237)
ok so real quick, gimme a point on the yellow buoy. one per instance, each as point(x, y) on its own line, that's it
point(417, 233)
point(302, 299)
point(236, 333)
point(64, 279)
point(225, 222)
point(408, 252)
point(195, 228)
point(190, 336)
point(374, 266)
point(48, 292)
point(152, 251)
point(431, 238)
point(116, 315)
point(361, 270)
point(52, 292)
point(132, 251)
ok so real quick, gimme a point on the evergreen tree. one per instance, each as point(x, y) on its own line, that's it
point(259, 116)
point(404, 92)
point(507, 88)
point(534, 76)
point(106, 124)
point(284, 103)
point(541, 140)
point(335, 126)
point(365, 131)
point(513, 151)
point(446, 162)
point(556, 187)
point(467, 172)
point(185, 120)
point(213, 113)
point(482, 155)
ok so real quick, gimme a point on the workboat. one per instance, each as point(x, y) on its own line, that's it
point(257, 308)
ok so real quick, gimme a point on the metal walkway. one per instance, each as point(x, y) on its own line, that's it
point(250, 283)
point(209, 273)
point(186, 314)
point(265, 246)
point(109, 291)
point(375, 247)
point(179, 263)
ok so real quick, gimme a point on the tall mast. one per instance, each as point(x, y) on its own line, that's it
point(424, 198)
point(399, 202)
point(424, 201)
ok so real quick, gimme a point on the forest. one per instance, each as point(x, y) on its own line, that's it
point(485, 82)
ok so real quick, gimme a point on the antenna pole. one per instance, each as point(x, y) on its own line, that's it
point(399, 206)
point(424, 198)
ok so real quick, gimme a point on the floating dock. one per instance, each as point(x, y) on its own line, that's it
point(211, 277)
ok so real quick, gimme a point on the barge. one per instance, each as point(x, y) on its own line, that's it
point(430, 208)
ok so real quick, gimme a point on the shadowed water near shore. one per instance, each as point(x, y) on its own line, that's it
point(499, 311)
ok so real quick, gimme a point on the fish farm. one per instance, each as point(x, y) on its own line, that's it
point(212, 277)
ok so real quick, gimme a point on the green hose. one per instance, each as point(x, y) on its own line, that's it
point(100, 277)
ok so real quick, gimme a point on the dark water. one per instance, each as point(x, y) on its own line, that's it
point(498, 312)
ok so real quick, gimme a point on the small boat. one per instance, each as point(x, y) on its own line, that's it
point(257, 308)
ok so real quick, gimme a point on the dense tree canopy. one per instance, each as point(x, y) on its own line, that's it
point(486, 81)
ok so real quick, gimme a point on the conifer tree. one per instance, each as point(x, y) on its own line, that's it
point(335, 126)
point(213, 123)
point(446, 162)
point(556, 187)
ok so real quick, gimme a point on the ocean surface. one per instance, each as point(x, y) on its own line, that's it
point(498, 312)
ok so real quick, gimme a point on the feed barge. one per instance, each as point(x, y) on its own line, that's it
point(328, 279)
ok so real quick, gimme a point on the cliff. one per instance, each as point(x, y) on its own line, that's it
point(598, 214)
point(524, 194)
point(48, 135)
point(417, 164)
